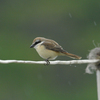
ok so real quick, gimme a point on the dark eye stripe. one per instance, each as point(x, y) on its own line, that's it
point(37, 42)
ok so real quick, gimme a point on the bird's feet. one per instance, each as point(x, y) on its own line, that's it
point(47, 61)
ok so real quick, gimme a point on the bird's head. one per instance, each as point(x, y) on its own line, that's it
point(37, 40)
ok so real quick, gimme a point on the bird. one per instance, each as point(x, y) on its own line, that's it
point(48, 49)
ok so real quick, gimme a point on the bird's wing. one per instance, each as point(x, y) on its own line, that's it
point(53, 46)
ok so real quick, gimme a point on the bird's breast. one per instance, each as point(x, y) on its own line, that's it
point(46, 53)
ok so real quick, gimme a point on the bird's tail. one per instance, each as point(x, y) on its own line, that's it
point(71, 55)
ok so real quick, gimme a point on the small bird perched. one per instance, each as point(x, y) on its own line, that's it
point(49, 49)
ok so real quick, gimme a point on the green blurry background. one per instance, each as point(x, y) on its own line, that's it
point(74, 24)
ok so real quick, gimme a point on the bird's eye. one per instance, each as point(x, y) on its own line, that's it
point(37, 41)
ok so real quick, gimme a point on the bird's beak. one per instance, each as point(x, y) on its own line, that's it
point(32, 45)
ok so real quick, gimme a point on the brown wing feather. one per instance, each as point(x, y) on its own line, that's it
point(53, 46)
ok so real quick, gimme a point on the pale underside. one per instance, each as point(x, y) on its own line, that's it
point(45, 53)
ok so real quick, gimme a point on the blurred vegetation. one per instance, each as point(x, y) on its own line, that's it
point(73, 24)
